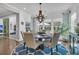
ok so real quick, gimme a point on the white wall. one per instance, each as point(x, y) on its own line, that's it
point(74, 17)
point(12, 22)
point(58, 20)
point(73, 24)
point(74, 9)
point(23, 17)
point(1, 21)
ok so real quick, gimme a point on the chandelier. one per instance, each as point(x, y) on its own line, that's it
point(40, 17)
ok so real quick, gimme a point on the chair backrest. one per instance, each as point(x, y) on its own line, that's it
point(28, 38)
point(55, 39)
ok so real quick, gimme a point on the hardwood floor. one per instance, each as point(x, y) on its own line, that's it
point(7, 45)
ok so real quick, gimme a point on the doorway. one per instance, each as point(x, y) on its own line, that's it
point(6, 27)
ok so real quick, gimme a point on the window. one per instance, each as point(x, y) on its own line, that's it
point(73, 18)
point(1, 25)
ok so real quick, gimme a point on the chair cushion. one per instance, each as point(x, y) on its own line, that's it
point(47, 50)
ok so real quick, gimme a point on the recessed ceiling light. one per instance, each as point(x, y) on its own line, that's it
point(24, 8)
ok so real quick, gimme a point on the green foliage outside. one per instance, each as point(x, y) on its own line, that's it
point(14, 27)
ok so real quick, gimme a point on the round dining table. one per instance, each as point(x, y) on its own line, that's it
point(43, 37)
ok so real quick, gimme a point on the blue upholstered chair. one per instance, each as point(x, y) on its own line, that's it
point(74, 51)
point(20, 47)
point(31, 50)
point(23, 52)
point(47, 50)
point(56, 53)
point(60, 49)
point(78, 48)
point(39, 53)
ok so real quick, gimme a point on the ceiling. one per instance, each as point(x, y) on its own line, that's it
point(4, 11)
point(51, 10)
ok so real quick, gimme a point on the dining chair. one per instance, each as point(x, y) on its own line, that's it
point(39, 52)
point(47, 50)
point(20, 47)
point(29, 39)
point(23, 52)
point(55, 38)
